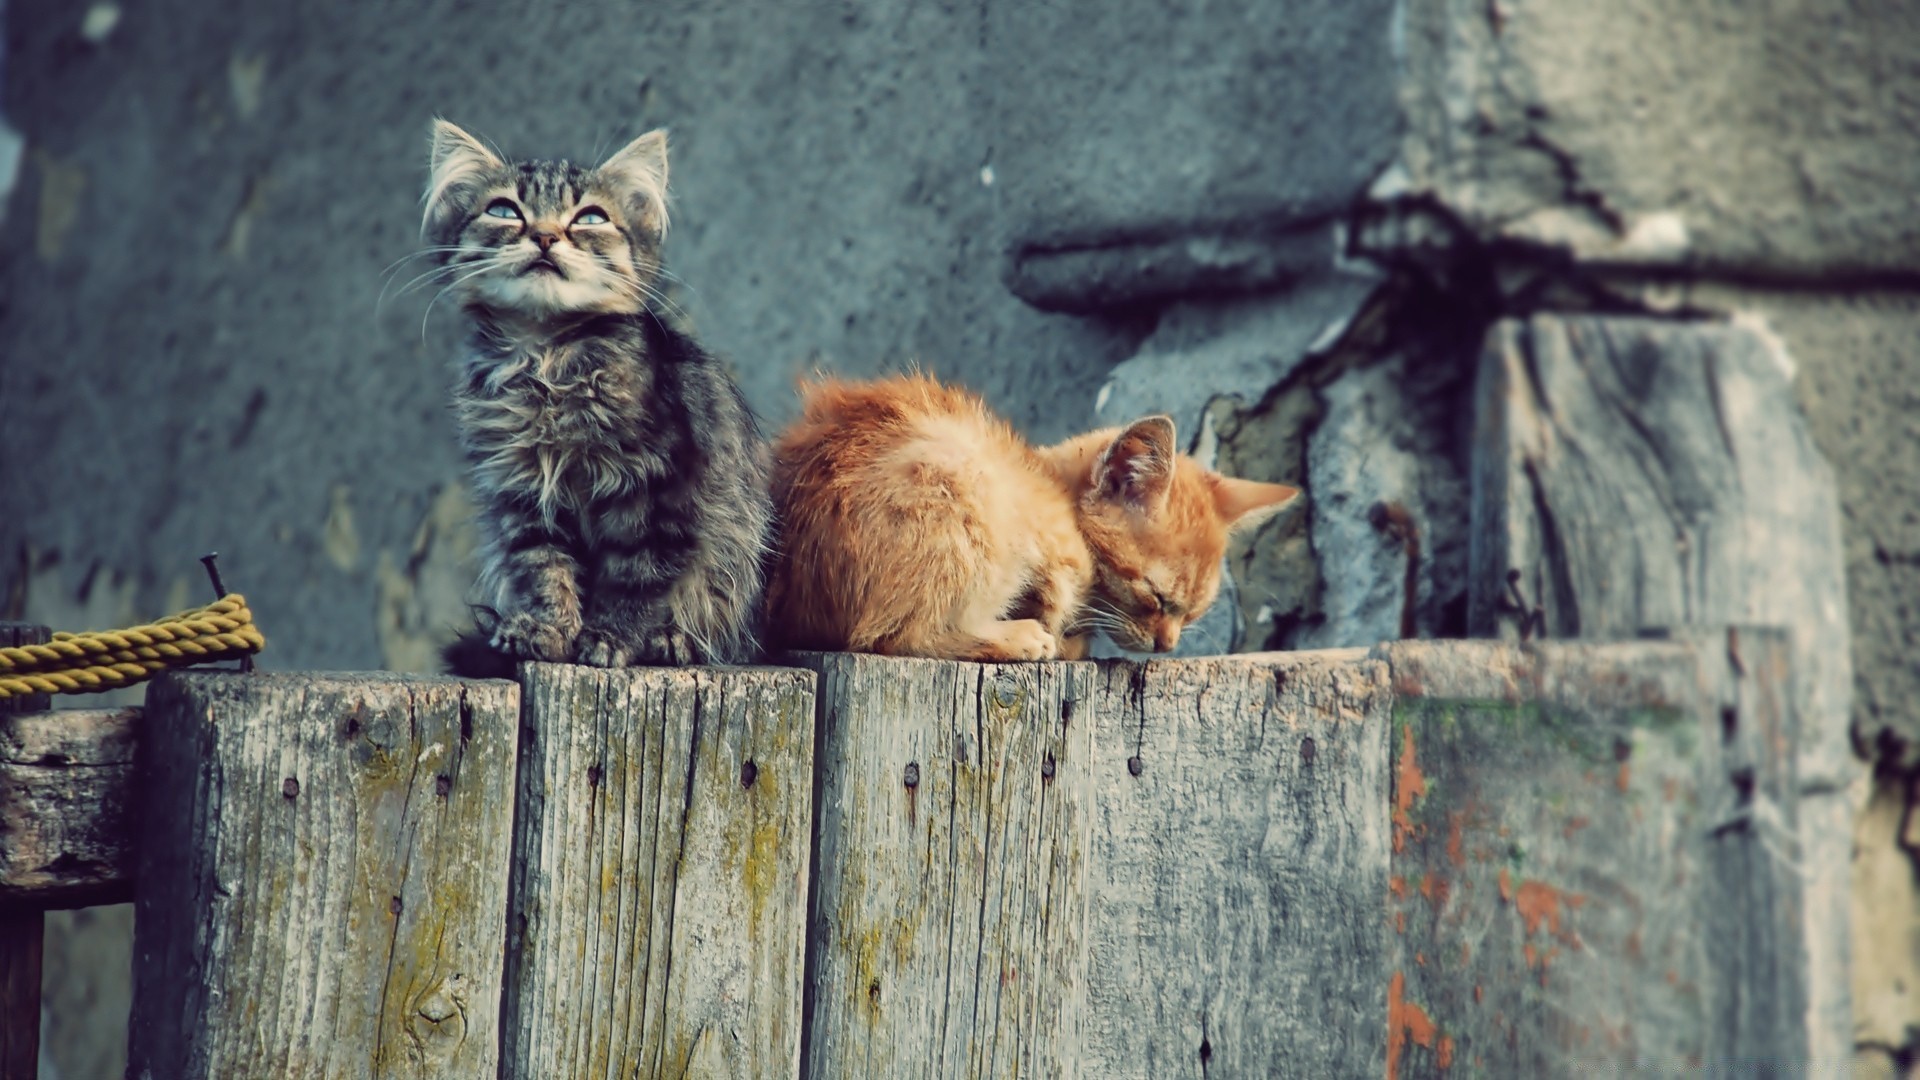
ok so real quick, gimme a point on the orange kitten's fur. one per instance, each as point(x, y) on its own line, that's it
point(914, 522)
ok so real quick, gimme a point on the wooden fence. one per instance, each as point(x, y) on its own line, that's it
point(1431, 858)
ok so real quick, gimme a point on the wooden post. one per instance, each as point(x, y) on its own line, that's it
point(1595, 862)
point(66, 780)
point(1657, 473)
point(321, 881)
point(950, 898)
point(22, 927)
point(1239, 863)
point(657, 921)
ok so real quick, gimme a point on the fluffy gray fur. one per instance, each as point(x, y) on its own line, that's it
point(621, 478)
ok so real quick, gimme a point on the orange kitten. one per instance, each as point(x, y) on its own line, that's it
point(915, 522)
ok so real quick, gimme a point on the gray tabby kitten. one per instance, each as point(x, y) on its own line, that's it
point(621, 477)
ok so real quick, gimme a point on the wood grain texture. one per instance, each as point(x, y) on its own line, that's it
point(22, 929)
point(66, 781)
point(1239, 866)
point(1595, 860)
point(950, 905)
point(1654, 473)
point(322, 876)
point(657, 924)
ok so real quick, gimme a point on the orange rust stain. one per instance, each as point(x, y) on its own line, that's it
point(1406, 1022)
point(1574, 825)
point(1466, 953)
point(1455, 853)
point(1479, 995)
point(1420, 959)
point(1409, 784)
point(1399, 922)
point(1434, 888)
point(1669, 789)
point(1538, 902)
point(1623, 778)
point(1633, 946)
point(1506, 885)
point(1446, 1051)
point(1397, 885)
point(1673, 978)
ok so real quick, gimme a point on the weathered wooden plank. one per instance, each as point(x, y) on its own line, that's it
point(22, 930)
point(1595, 862)
point(66, 780)
point(950, 898)
point(1239, 866)
point(1654, 473)
point(657, 923)
point(321, 876)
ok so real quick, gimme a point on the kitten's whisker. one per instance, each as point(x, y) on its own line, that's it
point(485, 265)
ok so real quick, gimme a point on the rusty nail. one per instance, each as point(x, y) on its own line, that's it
point(393, 905)
point(290, 788)
point(1046, 767)
point(1308, 750)
point(442, 784)
point(749, 772)
point(912, 777)
point(213, 574)
point(1135, 765)
point(220, 593)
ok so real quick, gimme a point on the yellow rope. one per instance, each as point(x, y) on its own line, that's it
point(109, 659)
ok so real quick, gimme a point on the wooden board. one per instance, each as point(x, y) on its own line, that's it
point(1657, 473)
point(66, 780)
point(660, 873)
point(22, 928)
point(1239, 868)
point(950, 906)
point(322, 876)
point(1595, 859)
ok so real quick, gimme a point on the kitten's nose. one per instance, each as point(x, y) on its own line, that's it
point(544, 236)
point(1166, 636)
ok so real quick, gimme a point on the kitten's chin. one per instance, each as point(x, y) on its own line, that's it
point(544, 295)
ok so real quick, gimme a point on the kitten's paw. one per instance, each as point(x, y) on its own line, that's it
point(668, 647)
point(601, 648)
point(1026, 639)
point(522, 636)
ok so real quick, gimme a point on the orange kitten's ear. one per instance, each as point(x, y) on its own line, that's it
point(1243, 504)
point(1138, 467)
point(456, 164)
point(638, 174)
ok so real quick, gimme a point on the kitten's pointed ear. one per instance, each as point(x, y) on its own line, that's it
point(457, 164)
point(1137, 467)
point(638, 174)
point(1243, 504)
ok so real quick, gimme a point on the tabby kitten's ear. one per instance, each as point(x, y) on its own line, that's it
point(638, 175)
point(1137, 468)
point(1243, 504)
point(458, 166)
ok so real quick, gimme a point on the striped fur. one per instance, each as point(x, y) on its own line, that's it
point(621, 477)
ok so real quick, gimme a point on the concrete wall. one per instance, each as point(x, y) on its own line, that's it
point(1286, 223)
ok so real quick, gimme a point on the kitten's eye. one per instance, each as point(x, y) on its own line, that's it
point(503, 208)
point(592, 215)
